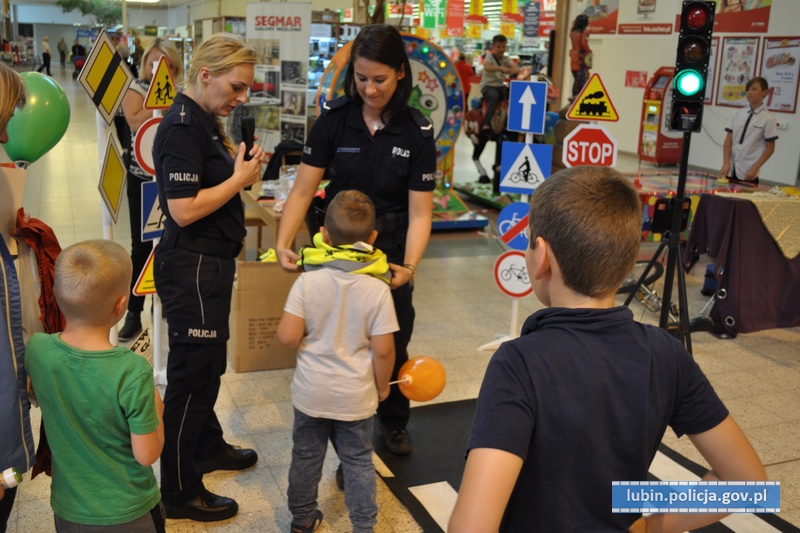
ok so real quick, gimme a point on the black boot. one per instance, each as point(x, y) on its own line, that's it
point(131, 328)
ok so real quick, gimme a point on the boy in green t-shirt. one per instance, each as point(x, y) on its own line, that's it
point(98, 401)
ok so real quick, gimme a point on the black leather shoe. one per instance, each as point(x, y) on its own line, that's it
point(398, 442)
point(131, 328)
point(228, 458)
point(207, 507)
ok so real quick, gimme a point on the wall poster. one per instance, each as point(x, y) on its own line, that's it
point(712, 70)
point(281, 33)
point(737, 65)
point(780, 65)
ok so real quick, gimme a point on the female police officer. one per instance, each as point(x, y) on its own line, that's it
point(199, 174)
point(370, 140)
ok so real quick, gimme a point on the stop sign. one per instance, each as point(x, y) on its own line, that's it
point(589, 144)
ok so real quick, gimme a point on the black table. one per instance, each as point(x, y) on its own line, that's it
point(758, 285)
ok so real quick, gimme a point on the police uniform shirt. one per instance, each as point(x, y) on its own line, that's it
point(189, 156)
point(399, 157)
point(750, 131)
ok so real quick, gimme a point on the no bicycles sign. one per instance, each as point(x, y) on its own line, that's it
point(511, 274)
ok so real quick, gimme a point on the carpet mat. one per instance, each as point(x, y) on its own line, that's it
point(427, 480)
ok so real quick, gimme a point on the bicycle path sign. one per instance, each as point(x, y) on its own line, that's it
point(523, 167)
point(511, 224)
point(511, 274)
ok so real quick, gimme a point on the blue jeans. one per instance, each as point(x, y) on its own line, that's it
point(353, 443)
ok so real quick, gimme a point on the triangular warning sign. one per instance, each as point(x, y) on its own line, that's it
point(593, 103)
point(162, 89)
point(146, 283)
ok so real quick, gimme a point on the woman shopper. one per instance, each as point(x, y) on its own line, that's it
point(135, 115)
point(372, 141)
point(200, 172)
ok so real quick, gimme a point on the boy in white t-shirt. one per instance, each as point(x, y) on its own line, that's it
point(752, 132)
point(340, 314)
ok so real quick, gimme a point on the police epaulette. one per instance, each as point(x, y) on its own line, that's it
point(185, 116)
point(332, 105)
point(422, 121)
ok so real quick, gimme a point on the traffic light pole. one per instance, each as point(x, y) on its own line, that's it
point(675, 257)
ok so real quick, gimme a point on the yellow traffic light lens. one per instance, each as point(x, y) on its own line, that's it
point(688, 83)
point(692, 49)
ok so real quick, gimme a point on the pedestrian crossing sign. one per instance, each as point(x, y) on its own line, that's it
point(162, 88)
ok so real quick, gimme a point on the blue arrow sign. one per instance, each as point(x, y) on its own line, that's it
point(152, 217)
point(527, 105)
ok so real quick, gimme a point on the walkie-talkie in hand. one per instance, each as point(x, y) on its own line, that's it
point(248, 136)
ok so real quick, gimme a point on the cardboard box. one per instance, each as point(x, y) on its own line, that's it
point(259, 293)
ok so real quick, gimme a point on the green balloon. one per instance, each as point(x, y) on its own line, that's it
point(38, 126)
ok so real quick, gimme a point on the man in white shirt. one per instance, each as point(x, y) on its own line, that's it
point(45, 55)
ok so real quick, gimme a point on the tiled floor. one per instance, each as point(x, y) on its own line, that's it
point(458, 309)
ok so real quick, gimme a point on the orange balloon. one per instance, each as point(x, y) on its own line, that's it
point(421, 378)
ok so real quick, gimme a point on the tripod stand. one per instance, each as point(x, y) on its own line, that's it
point(671, 241)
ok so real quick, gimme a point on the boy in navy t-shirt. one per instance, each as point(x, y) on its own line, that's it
point(583, 397)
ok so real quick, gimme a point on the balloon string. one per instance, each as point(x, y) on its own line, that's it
point(404, 380)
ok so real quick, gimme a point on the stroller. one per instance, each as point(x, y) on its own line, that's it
point(78, 61)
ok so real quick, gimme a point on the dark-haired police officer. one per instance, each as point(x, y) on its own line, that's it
point(395, 165)
point(199, 173)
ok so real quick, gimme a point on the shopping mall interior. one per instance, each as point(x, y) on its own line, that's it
point(459, 311)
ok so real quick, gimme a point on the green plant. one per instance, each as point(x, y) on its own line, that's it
point(105, 13)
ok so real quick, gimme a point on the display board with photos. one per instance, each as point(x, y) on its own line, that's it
point(780, 66)
point(737, 65)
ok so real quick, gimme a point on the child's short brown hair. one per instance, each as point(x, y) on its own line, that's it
point(89, 278)
point(762, 82)
point(592, 219)
point(349, 218)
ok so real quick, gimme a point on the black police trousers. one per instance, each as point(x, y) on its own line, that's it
point(195, 290)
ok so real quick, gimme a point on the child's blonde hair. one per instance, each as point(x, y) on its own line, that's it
point(90, 277)
point(12, 95)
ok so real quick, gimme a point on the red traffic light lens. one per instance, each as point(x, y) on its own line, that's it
point(697, 16)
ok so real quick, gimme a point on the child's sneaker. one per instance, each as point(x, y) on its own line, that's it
point(310, 528)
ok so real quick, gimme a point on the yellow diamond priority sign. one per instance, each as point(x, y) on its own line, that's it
point(593, 103)
point(106, 77)
point(112, 178)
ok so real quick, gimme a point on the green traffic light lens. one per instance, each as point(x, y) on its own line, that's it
point(689, 83)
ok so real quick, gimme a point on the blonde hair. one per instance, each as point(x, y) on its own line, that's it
point(12, 94)
point(90, 277)
point(167, 48)
point(220, 53)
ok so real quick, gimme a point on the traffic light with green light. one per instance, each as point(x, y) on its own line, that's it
point(691, 65)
